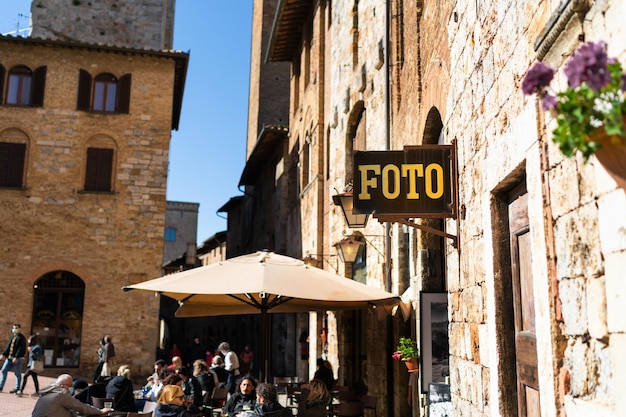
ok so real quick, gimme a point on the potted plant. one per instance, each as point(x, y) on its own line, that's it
point(590, 112)
point(407, 352)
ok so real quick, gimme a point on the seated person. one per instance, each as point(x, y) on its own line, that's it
point(177, 362)
point(155, 391)
point(207, 378)
point(267, 402)
point(171, 403)
point(324, 373)
point(191, 388)
point(56, 401)
point(242, 400)
point(160, 372)
point(313, 400)
point(121, 388)
point(217, 366)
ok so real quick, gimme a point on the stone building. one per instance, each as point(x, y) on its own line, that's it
point(181, 231)
point(528, 270)
point(83, 188)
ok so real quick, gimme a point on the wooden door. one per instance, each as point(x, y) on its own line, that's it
point(523, 304)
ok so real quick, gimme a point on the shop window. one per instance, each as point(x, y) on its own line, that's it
point(58, 317)
point(103, 93)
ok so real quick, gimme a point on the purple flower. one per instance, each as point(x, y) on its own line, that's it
point(623, 87)
point(589, 64)
point(537, 78)
point(548, 102)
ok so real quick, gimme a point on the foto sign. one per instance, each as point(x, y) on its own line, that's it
point(414, 182)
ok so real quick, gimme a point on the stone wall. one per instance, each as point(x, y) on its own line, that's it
point(141, 24)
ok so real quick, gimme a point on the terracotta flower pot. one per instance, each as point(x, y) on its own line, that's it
point(412, 364)
point(612, 155)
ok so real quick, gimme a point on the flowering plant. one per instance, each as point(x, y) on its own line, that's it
point(406, 349)
point(594, 97)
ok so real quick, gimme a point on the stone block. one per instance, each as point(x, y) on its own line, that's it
point(615, 285)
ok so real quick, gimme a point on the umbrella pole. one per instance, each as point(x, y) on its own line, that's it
point(265, 343)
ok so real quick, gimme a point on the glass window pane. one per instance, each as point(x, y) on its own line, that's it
point(25, 90)
point(14, 83)
point(98, 98)
point(110, 97)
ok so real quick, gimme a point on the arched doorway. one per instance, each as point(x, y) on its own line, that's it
point(58, 317)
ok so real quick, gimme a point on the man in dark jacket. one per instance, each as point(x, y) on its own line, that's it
point(14, 355)
point(267, 402)
point(191, 387)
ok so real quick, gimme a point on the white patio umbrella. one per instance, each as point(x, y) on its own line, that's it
point(261, 283)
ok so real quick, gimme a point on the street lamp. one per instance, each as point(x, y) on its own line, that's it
point(353, 219)
point(349, 249)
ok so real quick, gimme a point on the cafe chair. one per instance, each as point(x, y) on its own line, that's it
point(103, 402)
point(215, 402)
point(149, 406)
point(350, 409)
point(131, 414)
point(369, 403)
point(281, 383)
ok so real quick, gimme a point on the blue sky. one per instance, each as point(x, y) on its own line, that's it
point(207, 153)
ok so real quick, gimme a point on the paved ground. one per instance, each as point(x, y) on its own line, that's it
point(13, 406)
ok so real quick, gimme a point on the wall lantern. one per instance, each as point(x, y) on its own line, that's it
point(353, 219)
point(349, 249)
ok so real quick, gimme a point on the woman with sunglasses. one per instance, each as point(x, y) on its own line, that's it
point(171, 402)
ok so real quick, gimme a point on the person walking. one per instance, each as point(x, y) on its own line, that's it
point(231, 364)
point(56, 401)
point(108, 368)
point(35, 363)
point(14, 355)
point(98, 372)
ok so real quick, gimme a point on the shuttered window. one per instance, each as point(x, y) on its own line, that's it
point(99, 170)
point(26, 87)
point(12, 164)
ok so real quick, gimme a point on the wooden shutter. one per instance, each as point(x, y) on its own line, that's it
point(84, 91)
point(99, 169)
point(12, 164)
point(39, 86)
point(123, 94)
point(3, 73)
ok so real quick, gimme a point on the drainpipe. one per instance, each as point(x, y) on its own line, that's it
point(390, 381)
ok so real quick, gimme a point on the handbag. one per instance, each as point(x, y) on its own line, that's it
point(37, 366)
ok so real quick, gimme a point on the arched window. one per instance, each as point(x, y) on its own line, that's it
point(104, 92)
point(58, 317)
